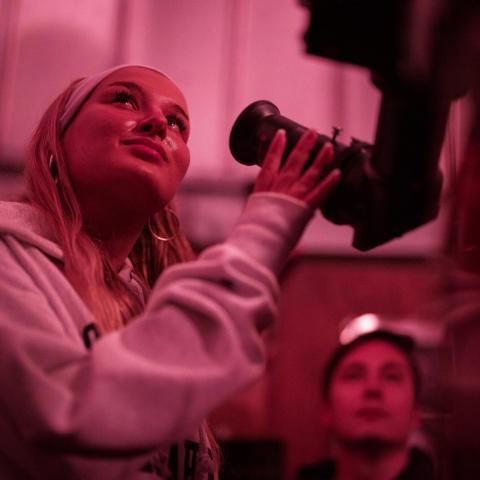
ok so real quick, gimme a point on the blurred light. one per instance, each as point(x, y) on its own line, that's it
point(361, 325)
point(425, 333)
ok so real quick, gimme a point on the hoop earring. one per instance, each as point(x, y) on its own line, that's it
point(52, 167)
point(176, 226)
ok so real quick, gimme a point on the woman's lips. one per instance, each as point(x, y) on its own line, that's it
point(145, 152)
point(146, 149)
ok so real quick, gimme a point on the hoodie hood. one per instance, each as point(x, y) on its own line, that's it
point(28, 225)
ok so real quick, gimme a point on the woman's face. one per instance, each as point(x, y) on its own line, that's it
point(372, 395)
point(127, 145)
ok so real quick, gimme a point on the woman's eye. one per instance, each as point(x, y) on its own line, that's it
point(177, 123)
point(124, 98)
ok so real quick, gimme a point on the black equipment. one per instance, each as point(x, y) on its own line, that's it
point(393, 186)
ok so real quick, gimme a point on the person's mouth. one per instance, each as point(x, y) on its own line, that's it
point(147, 149)
point(372, 413)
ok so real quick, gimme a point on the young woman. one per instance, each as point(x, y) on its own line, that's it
point(110, 361)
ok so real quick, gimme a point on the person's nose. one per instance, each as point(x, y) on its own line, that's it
point(154, 124)
point(373, 387)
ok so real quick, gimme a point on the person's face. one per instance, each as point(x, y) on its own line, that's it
point(127, 145)
point(372, 395)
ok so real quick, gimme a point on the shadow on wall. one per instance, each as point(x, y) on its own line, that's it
point(48, 59)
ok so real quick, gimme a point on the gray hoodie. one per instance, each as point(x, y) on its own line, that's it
point(74, 406)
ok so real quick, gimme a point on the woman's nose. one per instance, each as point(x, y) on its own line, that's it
point(154, 124)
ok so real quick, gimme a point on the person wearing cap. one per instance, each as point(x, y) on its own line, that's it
point(116, 342)
point(370, 391)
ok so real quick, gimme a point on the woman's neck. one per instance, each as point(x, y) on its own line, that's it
point(118, 246)
point(370, 463)
point(117, 232)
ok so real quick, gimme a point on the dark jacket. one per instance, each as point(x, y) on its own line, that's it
point(420, 467)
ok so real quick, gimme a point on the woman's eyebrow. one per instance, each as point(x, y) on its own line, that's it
point(175, 106)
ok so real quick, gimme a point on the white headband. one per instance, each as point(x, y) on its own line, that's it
point(86, 86)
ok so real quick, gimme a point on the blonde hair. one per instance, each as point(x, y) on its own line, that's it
point(85, 264)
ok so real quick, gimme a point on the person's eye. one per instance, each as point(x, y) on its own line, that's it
point(177, 122)
point(124, 98)
point(352, 375)
point(394, 377)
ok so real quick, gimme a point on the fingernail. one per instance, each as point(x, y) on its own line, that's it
point(328, 146)
point(281, 131)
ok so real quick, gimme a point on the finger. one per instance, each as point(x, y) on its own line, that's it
point(273, 157)
point(272, 161)
point(300, 153)
point(322, 160)
point(321, 192)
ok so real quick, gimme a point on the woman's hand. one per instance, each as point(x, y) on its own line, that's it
point(288, 179)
